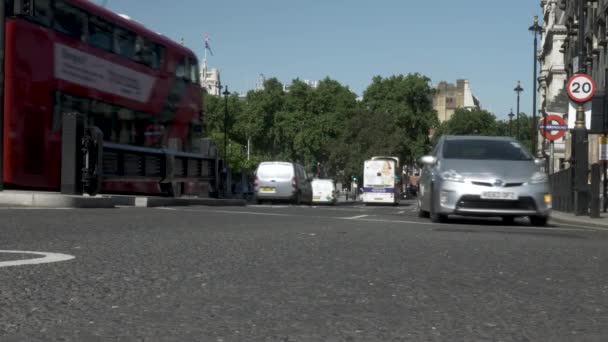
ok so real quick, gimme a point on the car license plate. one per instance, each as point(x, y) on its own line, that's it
point(498, 195)
point(268, 190)
point(316, 198)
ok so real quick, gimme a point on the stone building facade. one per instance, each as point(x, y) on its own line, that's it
point(449, 97)
point(595, 55)
point(553, 76)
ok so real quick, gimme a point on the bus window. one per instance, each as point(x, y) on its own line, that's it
point(100, 34)
point(69, 20)
point(194, 75)
point(124, 43)
point(148, 54)
point(42, 12)
point(157, 55)
point(139, 49)
point(180, 71)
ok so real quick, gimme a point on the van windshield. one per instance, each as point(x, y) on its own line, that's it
point(275, 171)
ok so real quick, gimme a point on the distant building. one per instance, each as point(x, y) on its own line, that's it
point(449, 97)
point(210, 80)
point(312, 84)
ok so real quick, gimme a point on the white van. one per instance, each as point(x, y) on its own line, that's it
point(282, 181)
point(324, 191)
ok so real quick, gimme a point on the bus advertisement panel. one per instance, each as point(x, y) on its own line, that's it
point(380, 178)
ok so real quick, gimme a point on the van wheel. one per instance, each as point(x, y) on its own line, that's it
point(298, 199)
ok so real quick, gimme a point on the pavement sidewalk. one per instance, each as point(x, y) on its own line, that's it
point(568, 218)
point(43, 199)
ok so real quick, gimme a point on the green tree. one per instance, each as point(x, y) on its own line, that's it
point(400, 108)
point(470, 122)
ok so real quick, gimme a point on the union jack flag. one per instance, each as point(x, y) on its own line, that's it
point(207, 46)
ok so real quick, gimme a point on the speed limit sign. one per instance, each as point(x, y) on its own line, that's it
point(581, 88)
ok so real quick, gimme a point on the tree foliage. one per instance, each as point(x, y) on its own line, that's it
point(326, 127)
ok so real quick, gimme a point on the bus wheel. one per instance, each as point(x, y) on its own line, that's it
point(174, 189)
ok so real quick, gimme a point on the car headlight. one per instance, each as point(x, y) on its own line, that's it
point(539, 177)
point(451, 176)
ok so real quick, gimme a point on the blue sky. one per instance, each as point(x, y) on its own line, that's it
point(485, 41)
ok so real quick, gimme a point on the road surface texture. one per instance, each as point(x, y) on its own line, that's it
point(285, 273)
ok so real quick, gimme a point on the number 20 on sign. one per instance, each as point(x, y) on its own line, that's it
point(581, 88)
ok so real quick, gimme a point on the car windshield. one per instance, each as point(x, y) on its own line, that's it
point(479, 149)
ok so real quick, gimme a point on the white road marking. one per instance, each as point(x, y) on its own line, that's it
point(35, 208)
point(401, 212)
point(47, 258)
point(355, 217)
point(228, 212)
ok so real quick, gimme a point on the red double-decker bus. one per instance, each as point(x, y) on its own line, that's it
point(137, 86)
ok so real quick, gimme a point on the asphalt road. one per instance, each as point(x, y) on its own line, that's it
point(282, 273)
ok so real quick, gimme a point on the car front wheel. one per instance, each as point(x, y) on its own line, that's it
point(422, 213)
point(539, 220)
point(436, 217)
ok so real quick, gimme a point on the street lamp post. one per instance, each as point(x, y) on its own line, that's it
point(518, 91)
point(580, 145)
point(226, 93)
point(535, 29)
point(511, 115)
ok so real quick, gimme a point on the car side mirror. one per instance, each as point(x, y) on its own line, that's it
point(428, 160)
point(539, 162)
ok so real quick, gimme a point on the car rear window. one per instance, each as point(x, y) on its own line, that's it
point(479, 149)
point(323, 186)
point(275, 171)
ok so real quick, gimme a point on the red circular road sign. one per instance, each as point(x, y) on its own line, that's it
point(553, 127)
point(581, 88)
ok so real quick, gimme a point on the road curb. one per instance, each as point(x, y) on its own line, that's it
point(152, 202)
point(39, 199)
point(573, 221)
point(53, 200)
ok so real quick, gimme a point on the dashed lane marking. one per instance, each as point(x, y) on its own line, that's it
point(355, 217)
point(46, 258)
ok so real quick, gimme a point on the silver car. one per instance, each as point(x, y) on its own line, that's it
point(282, 181)
point(483, 176)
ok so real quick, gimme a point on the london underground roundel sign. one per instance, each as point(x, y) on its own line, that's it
point(553, 127)
point(581, 88)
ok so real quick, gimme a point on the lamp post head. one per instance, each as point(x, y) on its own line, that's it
point(511, 115)
point(226, 92)
point(518, 89)
point(535, 28)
